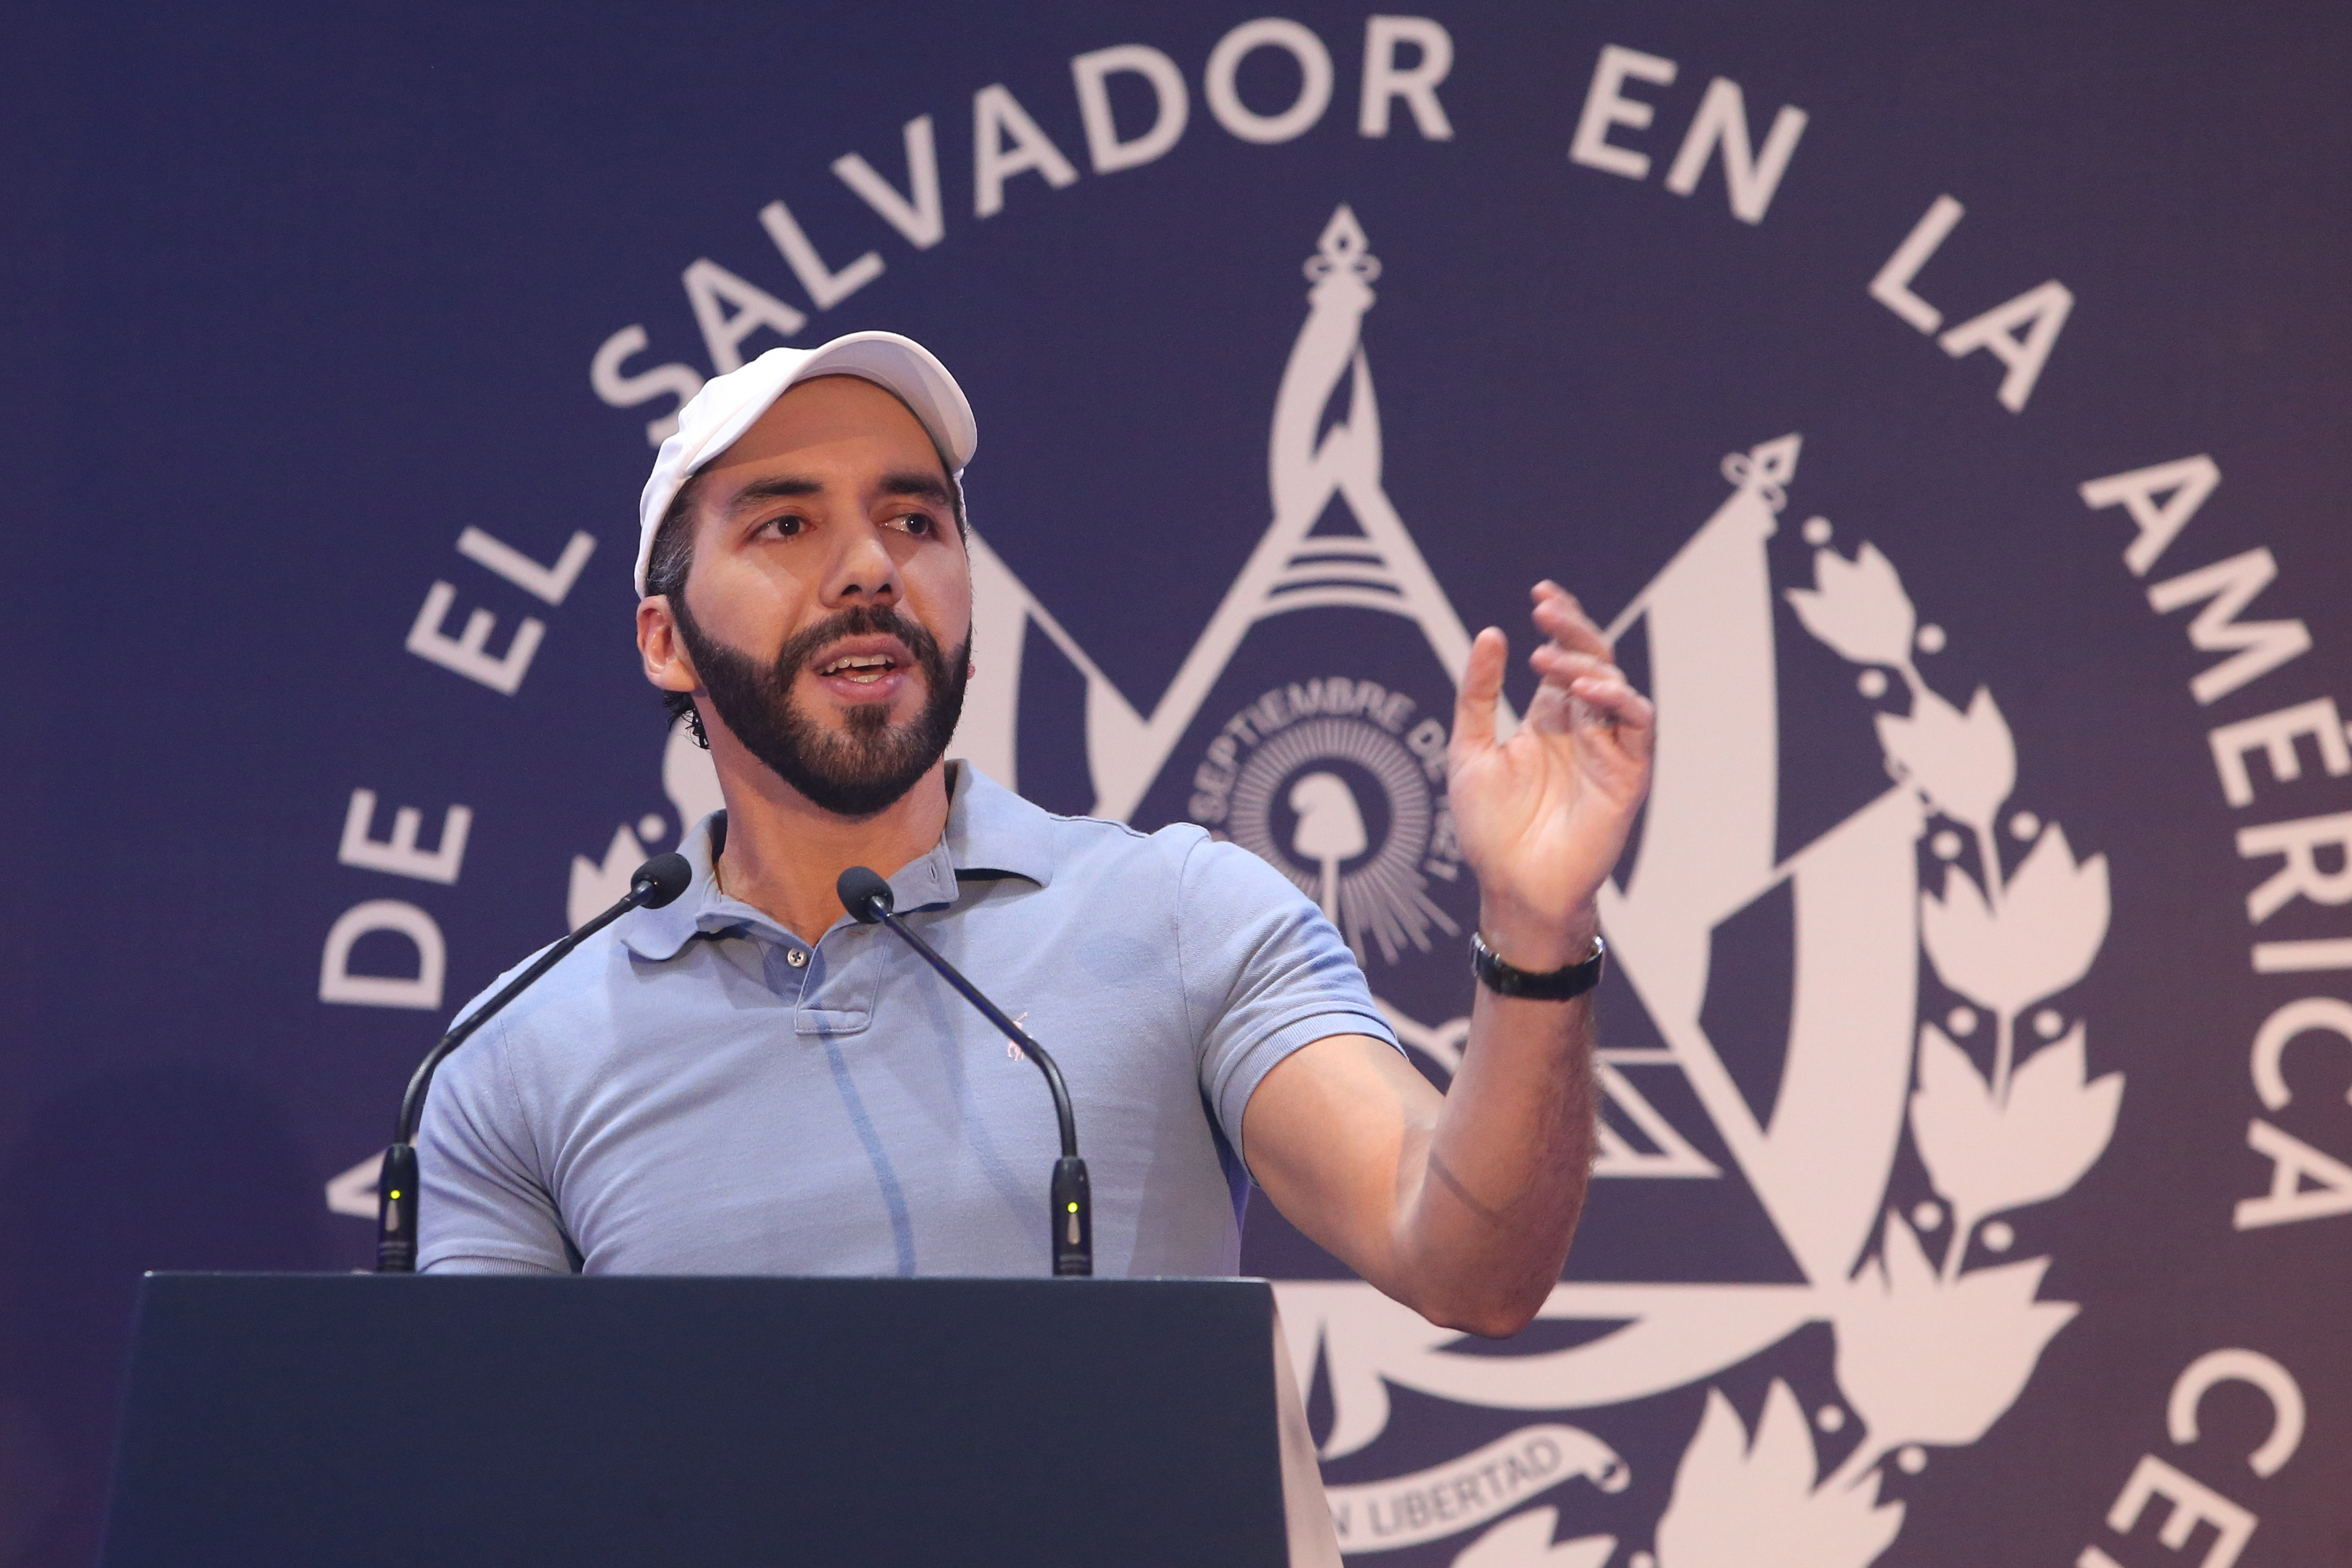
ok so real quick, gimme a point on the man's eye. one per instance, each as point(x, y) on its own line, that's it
point(787, 525)
point(915, 522)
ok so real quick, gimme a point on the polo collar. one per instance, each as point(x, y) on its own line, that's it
point(992, 833)
point(659, 934)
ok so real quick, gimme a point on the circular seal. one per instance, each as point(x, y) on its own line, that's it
point(1330, 784)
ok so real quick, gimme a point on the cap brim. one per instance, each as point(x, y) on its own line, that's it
point(716, 417)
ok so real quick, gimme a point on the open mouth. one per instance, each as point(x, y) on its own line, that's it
point(870, 669)
point(866, 668)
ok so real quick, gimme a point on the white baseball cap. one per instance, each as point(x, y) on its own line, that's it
point(716, 417)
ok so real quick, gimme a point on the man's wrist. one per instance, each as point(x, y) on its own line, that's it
point(1537, 943)
point(1563, 985)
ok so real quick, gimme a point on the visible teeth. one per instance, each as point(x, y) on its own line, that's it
point(878, 664)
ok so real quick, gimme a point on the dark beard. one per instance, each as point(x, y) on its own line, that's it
point(853, 774)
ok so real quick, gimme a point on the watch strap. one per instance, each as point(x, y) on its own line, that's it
point(1560, 985)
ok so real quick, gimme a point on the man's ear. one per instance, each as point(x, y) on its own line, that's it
point(662, 647)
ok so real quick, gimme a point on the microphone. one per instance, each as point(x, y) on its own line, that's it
point(656, 882)
point(869, 902)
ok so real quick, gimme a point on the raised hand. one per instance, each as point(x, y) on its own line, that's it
point(1543, 816)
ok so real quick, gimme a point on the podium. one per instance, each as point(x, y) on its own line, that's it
point(397, 1421)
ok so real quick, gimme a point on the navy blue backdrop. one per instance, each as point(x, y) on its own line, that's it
point(1946, 402)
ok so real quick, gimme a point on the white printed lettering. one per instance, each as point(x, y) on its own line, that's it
point(1385, 80)
point(2275, 734)
point(2299, 843)
point(826, 286)
point(729, 310)
point(2257, 648)
point(2326, 1013)
point(2302, 957)
point(919, 215)
point(2020, 334)
point(547, 582)
point(615, 390)
point(1892, 287)
point(1750, 179)
point(2183, 486)
point(399, 854)
point(1223, 93)
point(1092, 72)
point(1606, 105)
point(338, 983)
point(1004, 142)
point(465, 653)
point(2294, 1163)
point(2193, 1503)
point(2256, 1371)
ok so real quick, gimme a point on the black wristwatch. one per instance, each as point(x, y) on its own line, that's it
point(1560, 985)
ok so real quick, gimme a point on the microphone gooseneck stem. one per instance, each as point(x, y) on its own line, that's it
point(396, 1223)
point(411, 1103)
point(988, 1010)
point(1072, 1199)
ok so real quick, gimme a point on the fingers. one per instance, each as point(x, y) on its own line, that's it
point(1614, 726)
point(1580, 689)
point(1574, 647)
point(1481, 688)
point(1561, 667)
point(1555, 710)
point(1583, 690)
point(1560, 618)
point(1618, 715)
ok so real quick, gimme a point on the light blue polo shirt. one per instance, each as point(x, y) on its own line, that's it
point(696, 1091)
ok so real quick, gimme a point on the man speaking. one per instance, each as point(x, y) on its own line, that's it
point(749, 1081)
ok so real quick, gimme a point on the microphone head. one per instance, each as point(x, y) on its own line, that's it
point(864, 895)
point(664, 876)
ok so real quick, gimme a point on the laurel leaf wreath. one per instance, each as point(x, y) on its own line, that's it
point(1929, 1352)
point(1741, 1500)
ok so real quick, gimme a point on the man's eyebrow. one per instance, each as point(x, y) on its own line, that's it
point(777, 487)
point(912, 482)
point(788, 487)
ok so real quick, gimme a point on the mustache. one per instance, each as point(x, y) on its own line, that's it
point(860, 620)
point(873, 761)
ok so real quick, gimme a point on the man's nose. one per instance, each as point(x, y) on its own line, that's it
point(864, 572)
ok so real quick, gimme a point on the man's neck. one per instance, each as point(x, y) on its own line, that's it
point(784, 854)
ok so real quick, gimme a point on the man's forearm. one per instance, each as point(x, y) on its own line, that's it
point(1488, 1225)
point(1463, 1207)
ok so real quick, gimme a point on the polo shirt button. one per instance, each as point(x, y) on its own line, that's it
point(797, 957)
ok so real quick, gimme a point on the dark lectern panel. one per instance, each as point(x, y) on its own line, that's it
point(465, 1422)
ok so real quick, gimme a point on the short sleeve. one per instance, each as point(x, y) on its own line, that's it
point(483, 1206)
point(1263, 974)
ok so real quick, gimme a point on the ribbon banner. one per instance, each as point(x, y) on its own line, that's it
point(1461, 1494)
